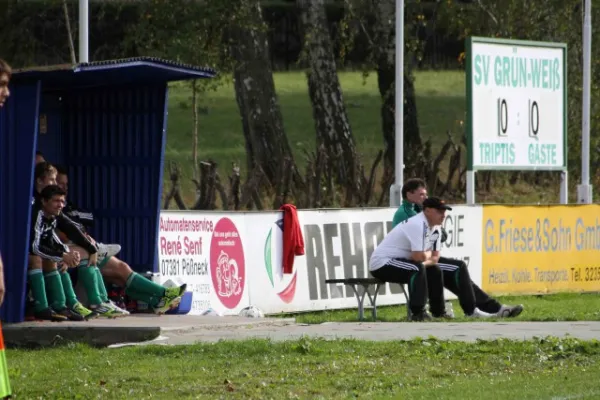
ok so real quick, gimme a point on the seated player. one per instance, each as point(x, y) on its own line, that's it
point(86, 220)
point(119, 273)
point(83, 218)
point(45, 175)
point(52, 289)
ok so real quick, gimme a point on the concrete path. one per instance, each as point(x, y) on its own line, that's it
point(468, 332)
point(174, 329)
point(134, 328)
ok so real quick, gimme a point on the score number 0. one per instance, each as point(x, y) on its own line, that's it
point(533, 112)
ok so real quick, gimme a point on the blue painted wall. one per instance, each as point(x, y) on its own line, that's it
point(49, 139)
point(112, 145)
point(18, 128)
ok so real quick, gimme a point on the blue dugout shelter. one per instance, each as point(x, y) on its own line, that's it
point(106, 122)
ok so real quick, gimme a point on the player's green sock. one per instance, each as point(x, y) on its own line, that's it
point(90, 283)
point(55, 290)
point(38, 289)
point(70, 296)
point(145, 297)
point(101, 286)
point(140, 288)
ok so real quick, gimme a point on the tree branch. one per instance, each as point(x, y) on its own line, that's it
point(69, 33)
point(487, 11)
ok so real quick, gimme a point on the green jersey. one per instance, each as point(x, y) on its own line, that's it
point(404, 212)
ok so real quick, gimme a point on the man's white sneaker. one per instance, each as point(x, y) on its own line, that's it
point(107, 250)
point(123, 311)
point(106, 310)
point(510, 311)
point(477, 313)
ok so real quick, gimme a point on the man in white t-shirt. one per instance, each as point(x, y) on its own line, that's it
point(414, 192)
point(410, 254)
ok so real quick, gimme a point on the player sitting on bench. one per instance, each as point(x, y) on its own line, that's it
point(47, 254)
point(119, 273)
point(86, 221)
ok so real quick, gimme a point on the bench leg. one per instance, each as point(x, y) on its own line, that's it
point(360, 298)
point(408, 312)
point(373, 299)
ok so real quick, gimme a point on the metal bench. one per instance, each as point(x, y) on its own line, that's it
point(366, 283)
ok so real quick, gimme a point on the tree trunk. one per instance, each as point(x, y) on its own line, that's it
point(69, 33)
point(384, 30)
point(195, 128)
point(329, 112)
point(267, 146)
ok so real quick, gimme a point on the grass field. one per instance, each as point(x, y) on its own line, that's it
point(440, 99)
point(546, 368)
point(555, 307)
point(422, 368)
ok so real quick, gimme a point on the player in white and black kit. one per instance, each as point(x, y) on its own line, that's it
point(49, 258)
point(410, 254)
point(44, 241)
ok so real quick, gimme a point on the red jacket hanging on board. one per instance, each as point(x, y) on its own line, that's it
point(293, 242)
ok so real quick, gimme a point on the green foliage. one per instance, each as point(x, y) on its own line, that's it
point(34, 32)
point(24, 28)
point(192, 32)
point(440, 102)
point(541, 20)
point(360, 24)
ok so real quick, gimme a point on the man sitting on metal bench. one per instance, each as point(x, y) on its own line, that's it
point(402, 257)
point(410, 254)
point(414, 192)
